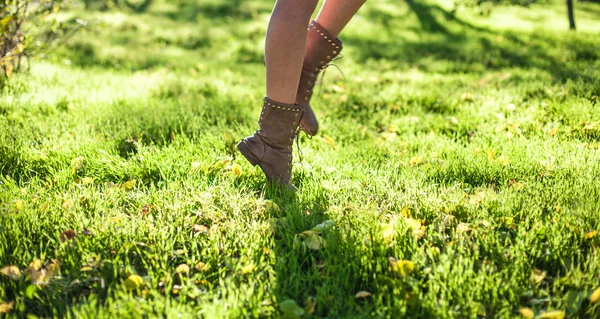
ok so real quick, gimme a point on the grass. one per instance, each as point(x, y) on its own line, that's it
point(465, 147)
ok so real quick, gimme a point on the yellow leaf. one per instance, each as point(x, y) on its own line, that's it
point(553, 131)
point(595, 296)
point(271, 206)
point(134, 282)
point(8, 69)
point(13, 272)
point(491, 155)
point(38, 277)
point(77, 163)
point(537, 276)
point(463, 228)
point(527, 313)
point(388, 232)
point(5, 307)
point(35, 265)
point(590, 234)
point(53, 268)
point(362, 294)
point(416, 160)
point(129, 186)
point(248, 269)
point(235, 169)
point(87, 180)
point(503, 160)
point(182, 269)
point(402, 268)
point(405, 212)
point(66, 204)
point(315, 242)
point(329, 140)
point(200, 266)
point(200, 229)
point(556, 314)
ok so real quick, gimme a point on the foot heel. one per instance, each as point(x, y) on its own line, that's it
point(247, 153)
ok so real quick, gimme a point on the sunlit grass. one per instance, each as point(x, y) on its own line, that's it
point(465, 148)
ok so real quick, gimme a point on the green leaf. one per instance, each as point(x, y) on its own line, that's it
point(290, 309)
point(574, 301)
point(30, 291)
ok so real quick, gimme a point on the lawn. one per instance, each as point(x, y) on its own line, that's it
point(456, 173)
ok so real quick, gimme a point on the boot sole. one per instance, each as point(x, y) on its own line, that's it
point(243, 148)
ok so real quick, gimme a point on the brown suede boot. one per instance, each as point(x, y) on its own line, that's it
point(321, 48)
point(271, 145)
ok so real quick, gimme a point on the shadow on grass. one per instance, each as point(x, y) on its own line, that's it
point(470, 48)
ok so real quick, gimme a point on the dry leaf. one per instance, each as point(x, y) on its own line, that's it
point(13, 272)
point(527, 313)
point(310, 304)
point(402, 268)
point(200, 266)
point(463, 228)
point(200, 229)
point(5, 307)
point(537, 276)
point(248, 269)
point(67, 235)
point(556, 314)
point(19, 204)
point(362, 294)
point(595, 296)
point(590, 234)
point(182, 269)
point(134, 282)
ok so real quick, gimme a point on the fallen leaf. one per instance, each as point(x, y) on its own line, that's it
point(35, 265)
point(235, 169)
point(590, 234)
point(6, 307)
point(553, 131)
point(129, 185)
point(200, 229)
point(19, 204)
point(290, 309)
point(248, 269)
point(595, 296)
point(146, 209)
point(310, 304)
point(329, 140)
point(77, 164)
point(323, 226)
point(68, 234)
point(87, 232)
point(134, 282)
point(270, 206)
point(13, 272)
point(200, 266)
point(182, 269)
point(388, 232)
point(527, 313)
point(537, 276)
point(38, 277)
point(463, 228)
point(315, 242)
point(491, 155)
point(362, 294)
point(406, 212)
point(556, 314)
point(402, 268)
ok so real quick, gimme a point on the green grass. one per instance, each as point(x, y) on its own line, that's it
point(484, 129)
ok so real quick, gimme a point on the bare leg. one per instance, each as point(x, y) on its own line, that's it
point(335, 14)
point(285, 47)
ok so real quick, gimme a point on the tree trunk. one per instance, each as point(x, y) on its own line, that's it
point(571, 15)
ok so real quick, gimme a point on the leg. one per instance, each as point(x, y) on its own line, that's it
point(322, 46)
point(285, 47)
point(335, 14)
